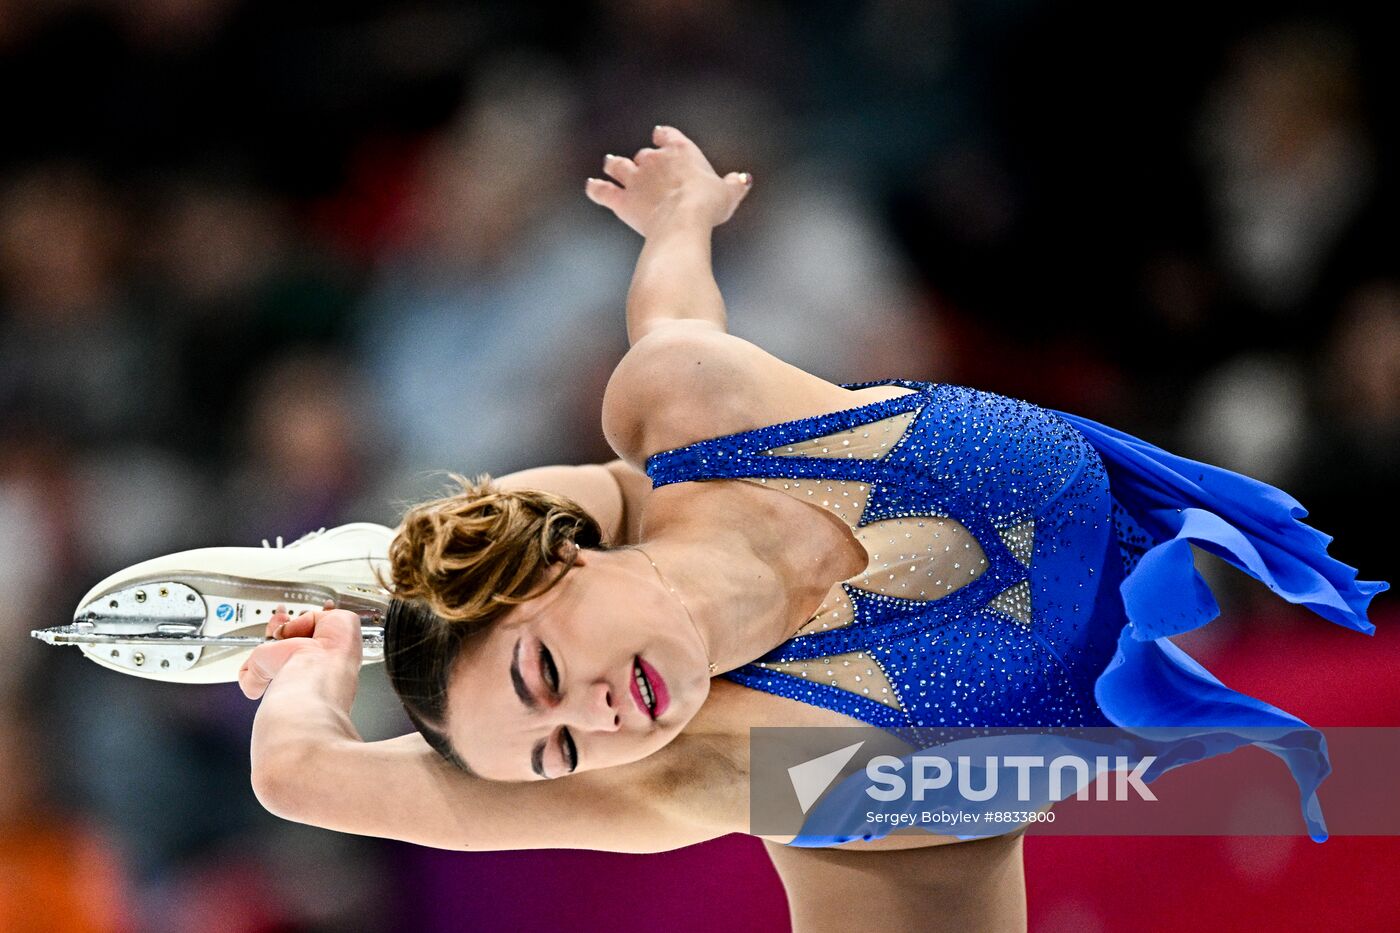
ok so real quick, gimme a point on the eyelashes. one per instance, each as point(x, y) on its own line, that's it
point(570, 750)
point(549, 671)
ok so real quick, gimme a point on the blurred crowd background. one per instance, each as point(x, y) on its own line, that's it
point(264, 267)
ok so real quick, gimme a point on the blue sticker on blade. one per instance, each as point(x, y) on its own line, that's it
point(225, 612)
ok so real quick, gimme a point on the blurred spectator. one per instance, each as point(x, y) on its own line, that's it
point(1289, 163)
point(490, 327)
point(308, 447)
point(1250, 416)
point(70, 353)
point(29, 541)
point(1353, 450)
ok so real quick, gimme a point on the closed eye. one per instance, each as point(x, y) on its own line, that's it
point(549, 671)
point(566, 743)
point(549, 677)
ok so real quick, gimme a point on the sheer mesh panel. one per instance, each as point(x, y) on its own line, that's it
point(1020, 540)
point(1014, 601)
point(835, 611)
point(919, 558)
point(922, 557)
point(855, 671)
point(844, 498)
point(864, 442)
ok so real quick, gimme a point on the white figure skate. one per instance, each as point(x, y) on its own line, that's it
point(193, 617)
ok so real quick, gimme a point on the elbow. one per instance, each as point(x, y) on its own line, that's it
point(278, 784)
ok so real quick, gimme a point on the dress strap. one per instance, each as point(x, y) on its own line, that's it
point(903, 383)
point(751, 453)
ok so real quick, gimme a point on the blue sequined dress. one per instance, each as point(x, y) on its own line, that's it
point(1027, 567)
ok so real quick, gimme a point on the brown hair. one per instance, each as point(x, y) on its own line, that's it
point(457, 564)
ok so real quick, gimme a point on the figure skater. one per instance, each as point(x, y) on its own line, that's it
point(583, 650)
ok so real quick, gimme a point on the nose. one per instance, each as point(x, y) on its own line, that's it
point(597, 709)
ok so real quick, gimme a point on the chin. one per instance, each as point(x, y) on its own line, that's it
point(664, 737)
point(696, 692)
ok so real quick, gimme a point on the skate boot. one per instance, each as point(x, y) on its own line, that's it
point(193, 617)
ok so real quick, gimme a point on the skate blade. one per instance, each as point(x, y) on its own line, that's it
point(196, 628)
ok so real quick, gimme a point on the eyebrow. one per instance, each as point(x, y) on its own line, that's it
point(536, 754)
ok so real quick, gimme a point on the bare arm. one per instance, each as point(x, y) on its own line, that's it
point(685, 378)
point(672, 196)
point(674, 280)
point(401, 789)
point(614, 493)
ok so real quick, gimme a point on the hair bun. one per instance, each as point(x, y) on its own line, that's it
point(482, 549)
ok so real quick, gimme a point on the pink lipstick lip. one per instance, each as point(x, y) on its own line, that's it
point(637, 692)
point(658, 687)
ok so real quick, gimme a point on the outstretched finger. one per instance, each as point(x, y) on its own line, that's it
point(601, 192)
point(740, 183)
point(662, 134)
point(619, 168)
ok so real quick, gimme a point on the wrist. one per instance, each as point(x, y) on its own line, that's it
point(684, 206)
point(330, 678)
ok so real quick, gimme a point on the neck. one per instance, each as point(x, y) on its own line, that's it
point(741, 606)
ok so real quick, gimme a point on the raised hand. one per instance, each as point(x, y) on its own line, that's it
point(325, 643)
point(675, 171)
point(306, 675)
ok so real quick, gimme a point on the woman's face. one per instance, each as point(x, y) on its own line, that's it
point(603, 669)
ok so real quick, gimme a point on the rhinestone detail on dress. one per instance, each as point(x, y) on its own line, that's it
point(1023, 502)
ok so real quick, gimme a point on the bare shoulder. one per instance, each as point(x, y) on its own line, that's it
point(688, 381)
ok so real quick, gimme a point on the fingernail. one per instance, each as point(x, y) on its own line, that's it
point(746, 178)
point(610, 156)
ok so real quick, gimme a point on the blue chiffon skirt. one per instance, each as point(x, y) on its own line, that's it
point(1169, 706)
point(1153, 685)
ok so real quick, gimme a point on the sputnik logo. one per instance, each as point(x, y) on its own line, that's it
point(811, 778)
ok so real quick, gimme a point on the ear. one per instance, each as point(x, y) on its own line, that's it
point(569, 550)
